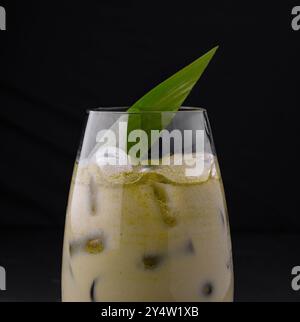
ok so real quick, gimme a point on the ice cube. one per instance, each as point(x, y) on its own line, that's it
point(178, 173)
point(162, 192)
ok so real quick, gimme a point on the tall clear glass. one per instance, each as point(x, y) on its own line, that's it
point(153, 226)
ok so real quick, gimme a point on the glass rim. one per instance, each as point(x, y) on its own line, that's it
point(124, 110)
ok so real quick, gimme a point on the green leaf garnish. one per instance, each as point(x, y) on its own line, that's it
point(168, 96)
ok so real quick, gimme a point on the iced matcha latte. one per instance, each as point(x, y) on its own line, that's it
point(147, 218)
point(149, 234)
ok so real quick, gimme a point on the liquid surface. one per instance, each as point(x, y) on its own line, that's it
point(146, 234)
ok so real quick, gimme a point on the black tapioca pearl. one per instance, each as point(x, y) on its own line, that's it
point(189, 247)
point(94, 246)
point(151, 261)
point(92, 290)
point(207, 289)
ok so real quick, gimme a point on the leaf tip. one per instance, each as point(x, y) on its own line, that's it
point(213, 50)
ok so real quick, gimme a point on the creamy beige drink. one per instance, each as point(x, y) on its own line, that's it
point(147, 234)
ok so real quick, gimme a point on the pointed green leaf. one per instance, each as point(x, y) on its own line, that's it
point(170, 94)
point(167, 96)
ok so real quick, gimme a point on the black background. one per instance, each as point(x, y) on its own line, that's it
point(58, 58)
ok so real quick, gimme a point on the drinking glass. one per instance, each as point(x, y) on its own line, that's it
point(150, 223)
